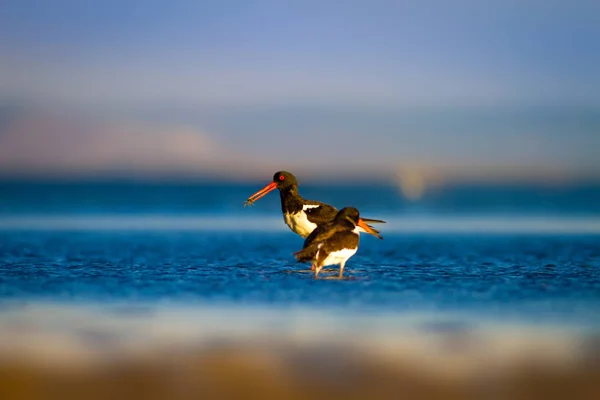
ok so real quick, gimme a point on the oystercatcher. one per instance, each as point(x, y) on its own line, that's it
point(303, 216)
point(334, 242)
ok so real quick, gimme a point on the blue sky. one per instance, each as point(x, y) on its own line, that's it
point(432, 81)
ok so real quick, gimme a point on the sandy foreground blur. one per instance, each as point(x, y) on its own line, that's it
point(67, 352)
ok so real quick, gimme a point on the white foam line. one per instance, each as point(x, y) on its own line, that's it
point(428, 224)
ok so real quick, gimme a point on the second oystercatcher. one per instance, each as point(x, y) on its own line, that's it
point(333, 243)
point(303, 216)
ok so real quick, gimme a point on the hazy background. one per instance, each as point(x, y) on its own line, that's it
point(131, 132)
point(416, 91)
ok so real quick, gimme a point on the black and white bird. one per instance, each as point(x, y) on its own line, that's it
point(303, 216)
point(334, 242)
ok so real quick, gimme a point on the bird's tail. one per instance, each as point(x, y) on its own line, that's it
point(306, 254)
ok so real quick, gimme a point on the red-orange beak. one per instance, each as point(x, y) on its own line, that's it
point(271, 186)
point(368, 229)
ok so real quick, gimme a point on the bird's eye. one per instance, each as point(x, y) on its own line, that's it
point(281, 177)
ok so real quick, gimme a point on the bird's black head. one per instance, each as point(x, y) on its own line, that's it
point(351, 218)
point(350, 214)
point(284, 180)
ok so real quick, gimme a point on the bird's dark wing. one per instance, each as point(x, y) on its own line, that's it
point(341, 240)
point(314, 240)
point(321, 233)
point(317, 212)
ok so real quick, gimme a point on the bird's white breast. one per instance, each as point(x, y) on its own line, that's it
point(338, 257)
point(299, 222)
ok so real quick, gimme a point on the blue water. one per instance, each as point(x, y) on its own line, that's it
point(546, 277)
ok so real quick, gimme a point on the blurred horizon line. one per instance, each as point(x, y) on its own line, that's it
point(442, 175)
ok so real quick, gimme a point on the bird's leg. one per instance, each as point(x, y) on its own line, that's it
point(312, 267)
point(317, 270)
point(343, 263)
